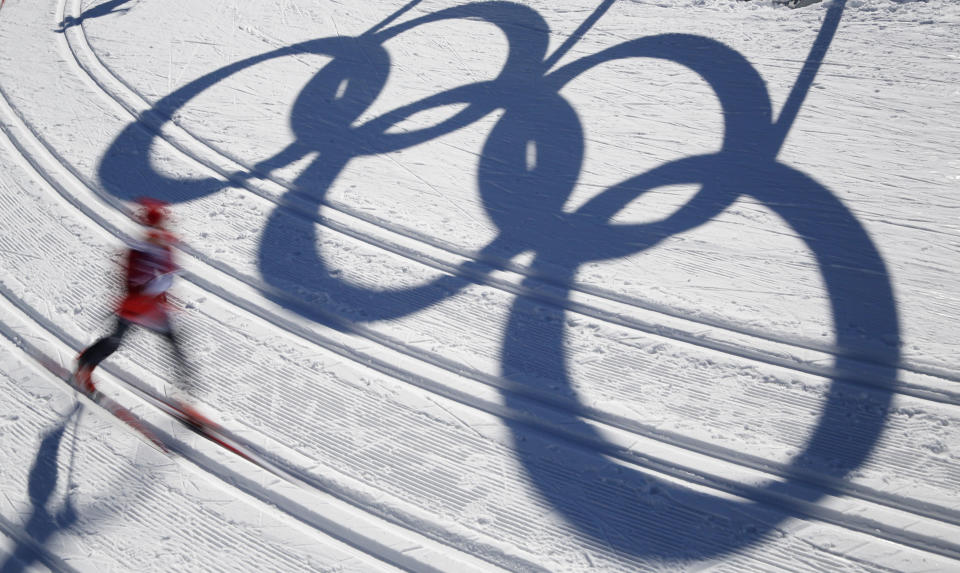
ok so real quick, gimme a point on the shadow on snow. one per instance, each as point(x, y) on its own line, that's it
point(44, 522)
point(107, 8)
point(627, 509)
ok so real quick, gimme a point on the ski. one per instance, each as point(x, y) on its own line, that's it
point(186, 415)
point(129, 418)
point(202, 426)
point(107, 403)
point(212, 431)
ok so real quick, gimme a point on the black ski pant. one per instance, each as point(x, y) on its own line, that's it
point(101, 349)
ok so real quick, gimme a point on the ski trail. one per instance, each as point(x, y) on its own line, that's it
point(159, 497)
point(922, 380)
point(545, 413)
point(935, 385)
point(877, 522)
point(412, 373)
point(299, 498)
point(617, 445)
point(702, 448)
point(620, 422)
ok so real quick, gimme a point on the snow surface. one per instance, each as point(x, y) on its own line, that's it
point(591, 285)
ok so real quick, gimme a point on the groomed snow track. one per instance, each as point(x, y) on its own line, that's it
point(383, 378)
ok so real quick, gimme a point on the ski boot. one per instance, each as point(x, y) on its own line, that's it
point(194, 418)
point(83, 379)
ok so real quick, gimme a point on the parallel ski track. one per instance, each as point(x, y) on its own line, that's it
point(312, 518)
point(199, 150)
point(624, 424)
point(268, 555)
point(262, 313)
point(280, 466)
point(25, 343)
point(746, 343)
point(687, 473)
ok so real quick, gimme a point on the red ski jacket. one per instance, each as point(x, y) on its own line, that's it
point(149, 273)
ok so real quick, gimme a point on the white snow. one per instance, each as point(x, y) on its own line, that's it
point(592, 285)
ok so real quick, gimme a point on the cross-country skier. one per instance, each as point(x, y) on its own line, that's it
point(149, 273)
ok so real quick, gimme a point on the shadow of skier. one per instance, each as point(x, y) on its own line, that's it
point(44, 522)
point(104, 9)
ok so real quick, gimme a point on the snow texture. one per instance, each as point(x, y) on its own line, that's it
point(592, 285)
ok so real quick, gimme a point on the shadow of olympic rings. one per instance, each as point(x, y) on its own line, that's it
point(527, 206)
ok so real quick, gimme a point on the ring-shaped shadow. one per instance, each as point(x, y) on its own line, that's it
point(288, 259)
point(844, 435)
point(840, 442)
point(526, 205)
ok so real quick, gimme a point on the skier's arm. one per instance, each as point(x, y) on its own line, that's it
point(159, 284)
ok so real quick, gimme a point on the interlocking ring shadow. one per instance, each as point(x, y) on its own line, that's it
point(645, 516)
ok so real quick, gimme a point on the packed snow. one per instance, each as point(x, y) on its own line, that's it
point(591, 285)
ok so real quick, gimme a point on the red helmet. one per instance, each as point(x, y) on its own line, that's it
point(154, 212)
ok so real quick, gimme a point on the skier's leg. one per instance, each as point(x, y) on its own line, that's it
point(97, 353)
point(192, 415)
point(99, 350)
point(176, 343)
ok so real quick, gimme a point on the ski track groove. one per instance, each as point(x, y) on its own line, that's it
point(131, 109)
point(136, 475)
point(613, 496)
point(81, 209)
point(68, 167)
point(271, 555)
point(75, 343)
point(15, 531)
point(894, 455)
point(453, 366)
point(135, 103)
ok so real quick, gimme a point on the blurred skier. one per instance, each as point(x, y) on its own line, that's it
point(150, 269)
